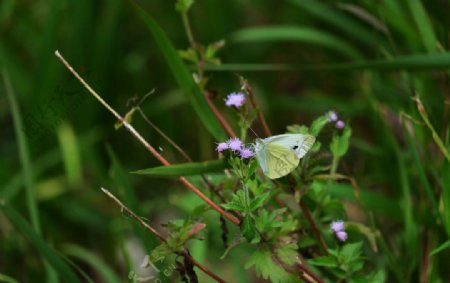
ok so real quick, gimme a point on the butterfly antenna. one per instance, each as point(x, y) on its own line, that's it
point(254, 133)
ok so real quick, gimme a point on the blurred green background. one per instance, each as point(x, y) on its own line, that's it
point(365, 59)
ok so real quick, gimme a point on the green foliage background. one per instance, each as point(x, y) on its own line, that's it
point(365, 59)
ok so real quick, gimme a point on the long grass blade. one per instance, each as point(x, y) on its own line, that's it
point(338, 20)
point(51, 257)
point(185, 169)
point(423, 24)
point(24, 155)
point(182, 76)
point(295, 33)
point(410, 62)
point(90, 258)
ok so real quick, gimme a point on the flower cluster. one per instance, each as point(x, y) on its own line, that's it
point(339, 229)
point(236, 99)
point(333, 117)
point(237, 147)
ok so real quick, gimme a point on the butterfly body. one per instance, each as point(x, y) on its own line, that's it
point(280, 155)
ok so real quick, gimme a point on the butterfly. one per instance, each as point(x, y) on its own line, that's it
point(280, 155)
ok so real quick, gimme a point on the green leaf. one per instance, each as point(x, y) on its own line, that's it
point(7, 279)
point(327, 261)
point(266, 268)
point(188, 55)
point(186, 169)
point(70, 153)
point(238, 202)
point(51, 256)
point(248, 228)
point(338, 20)
point(318, 124)
point(350, 252)
point(183, 76)
point(288, 254)
point(96, 263)
point(423, 24)
point(24, 153)
point(259, 201)
point(441, 248)
point(339, 144)
point(407, 62)
point(295, 33)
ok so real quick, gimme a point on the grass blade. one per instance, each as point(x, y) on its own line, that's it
point(183, 76)
point(185, 169)
point(24, 154)
point(105, 271)
point(423, 24)
point(51, 257)
point(441, 248)
point(408, 62)
point(7, 279)
point(338, 20)
point(295, 33)
point(70, 153)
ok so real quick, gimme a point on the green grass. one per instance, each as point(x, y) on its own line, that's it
point(301, 57)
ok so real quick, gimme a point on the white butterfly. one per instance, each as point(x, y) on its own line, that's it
point(280, 155)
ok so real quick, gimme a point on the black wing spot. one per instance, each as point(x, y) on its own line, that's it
point(295, 147)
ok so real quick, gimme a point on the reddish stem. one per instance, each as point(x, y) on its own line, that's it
point(313, 226)
point(261, 119)
point(138, 136)
point(219, 116)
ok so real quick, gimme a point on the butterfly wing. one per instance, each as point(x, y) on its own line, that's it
point(279, 160)
point(300, 143)
point(280, 155)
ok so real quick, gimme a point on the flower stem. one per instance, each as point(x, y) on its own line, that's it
point(313, 225)
point(226, 126)
point(261, 119)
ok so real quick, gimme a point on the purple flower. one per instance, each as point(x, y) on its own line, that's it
point(222, 146)
point(337, 226)
point(340, 124)
point(246, 153)
point(236, 99)
point(332, 116)
point(235, 144)
point(342, 236)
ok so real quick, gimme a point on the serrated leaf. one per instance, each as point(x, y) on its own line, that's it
point(288, 254)
point(266, 268)
point(185, 169)
point(339, 144)
point(306, 241)
point(318, 124)
point(259, 201)
point(234, 206)
point(297, 129)
point(327, 261)
point(248, 228)
point(351, 252)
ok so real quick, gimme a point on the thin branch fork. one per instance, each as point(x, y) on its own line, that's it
point(246, 87)
point(152, 150)
point(157, 234)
